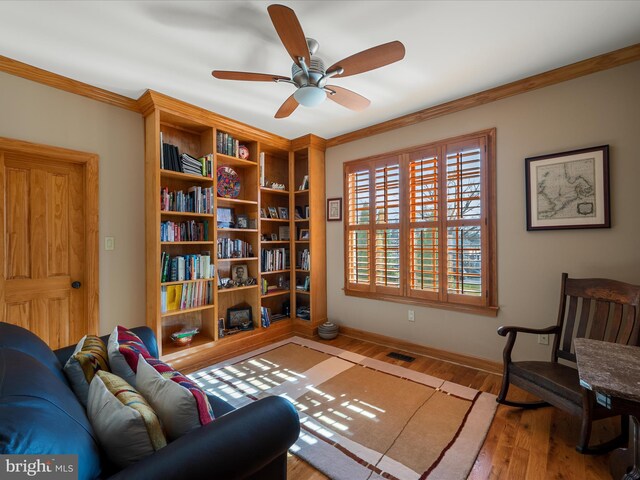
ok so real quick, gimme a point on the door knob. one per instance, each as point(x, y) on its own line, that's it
point(76, 284)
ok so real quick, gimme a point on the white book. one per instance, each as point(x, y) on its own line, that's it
point(181, 269)
point(262, 180)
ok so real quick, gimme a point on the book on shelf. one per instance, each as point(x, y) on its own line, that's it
point(265, 316)
point(226, 144)
point(274, 259)
point(186, 267)
point(187, 231)
point(196, 200)
point(262, 179)
point(234, 248)
point(303, 260)
point(185, 296)
point(172, 159)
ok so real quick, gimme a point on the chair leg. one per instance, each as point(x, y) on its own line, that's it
point(587, 423)
point(502, 396)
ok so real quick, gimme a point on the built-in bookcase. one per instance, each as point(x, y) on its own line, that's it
point(227, 233)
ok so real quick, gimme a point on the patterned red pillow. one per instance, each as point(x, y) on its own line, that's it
point(124, 347)
point(204, 408)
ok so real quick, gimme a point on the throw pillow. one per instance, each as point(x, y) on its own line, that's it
point(124, 346)
point(89, 356)
point(178, 401)
point(127, 427)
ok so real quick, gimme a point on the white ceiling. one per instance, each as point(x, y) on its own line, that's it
point(454, 48)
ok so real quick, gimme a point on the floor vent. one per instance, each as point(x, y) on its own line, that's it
point(400, 356)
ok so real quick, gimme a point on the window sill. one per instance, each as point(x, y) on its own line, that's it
point(489, 311)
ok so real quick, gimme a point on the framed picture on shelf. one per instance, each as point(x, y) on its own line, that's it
point(283, 231)
point(283, 213)
point(304, 234)
point(239, 273)
point(240, 318)
point(224, 217)
point(274, 237)
point(242, 221)
point(568, 190)
point(334, 209)
point(299, 212)
point(273, 212)
point(263, 213)
point(306, 211)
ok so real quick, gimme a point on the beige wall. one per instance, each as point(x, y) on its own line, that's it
point(37, 113)
point(602, 108)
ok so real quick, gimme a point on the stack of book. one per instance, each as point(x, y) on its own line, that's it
point(190, 164)
point(187, 231)
point(185, 267)
point(230, 248)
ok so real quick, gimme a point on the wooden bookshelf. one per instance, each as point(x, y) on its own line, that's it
point(198, 132)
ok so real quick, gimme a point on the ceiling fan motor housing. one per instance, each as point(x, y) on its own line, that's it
point(316, 72)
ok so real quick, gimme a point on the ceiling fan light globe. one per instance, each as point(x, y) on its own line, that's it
point(310, 96)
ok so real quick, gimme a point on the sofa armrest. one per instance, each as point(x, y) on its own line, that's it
point(145, 334)
point(236, 445)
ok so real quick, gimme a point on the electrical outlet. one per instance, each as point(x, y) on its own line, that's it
point(411, 316)
point(543, 339)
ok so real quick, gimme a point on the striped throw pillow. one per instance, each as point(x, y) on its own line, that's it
point(89, 356)
point(126, 425)
point(180, 403)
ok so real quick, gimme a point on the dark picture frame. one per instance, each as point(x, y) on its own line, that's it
point(237, 316)
point(283, 213)
point(568, 190)
point(334, 209)
point(273, 212)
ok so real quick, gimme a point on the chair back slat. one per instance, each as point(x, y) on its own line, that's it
point(614, 323)
point(600, 320)
point(570, 321)
point(629, 330)
point(584, 318)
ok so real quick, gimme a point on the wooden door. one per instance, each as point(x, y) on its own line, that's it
point(46, 247)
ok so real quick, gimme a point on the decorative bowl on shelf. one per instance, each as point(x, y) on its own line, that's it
point(184, 337)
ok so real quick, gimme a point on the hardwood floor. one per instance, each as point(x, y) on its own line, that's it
point(520, 445)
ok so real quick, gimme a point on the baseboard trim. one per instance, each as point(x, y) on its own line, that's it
point(452, 357)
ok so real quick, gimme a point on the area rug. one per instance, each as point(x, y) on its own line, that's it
point(361, 418)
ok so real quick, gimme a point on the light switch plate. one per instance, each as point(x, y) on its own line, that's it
point(109, 243)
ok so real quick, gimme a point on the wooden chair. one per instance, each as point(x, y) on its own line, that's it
point(594, 308)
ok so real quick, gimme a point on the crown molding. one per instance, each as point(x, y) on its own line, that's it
point(551, 77)
point(67, 84)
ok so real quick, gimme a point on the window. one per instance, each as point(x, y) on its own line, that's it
point(420, 225)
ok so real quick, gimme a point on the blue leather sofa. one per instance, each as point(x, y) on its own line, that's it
point(39, 414)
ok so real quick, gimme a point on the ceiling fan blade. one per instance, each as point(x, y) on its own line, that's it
point(287, 108)
point(248, 76)
point(347, 98)
point(370, 59)
point(290, 32)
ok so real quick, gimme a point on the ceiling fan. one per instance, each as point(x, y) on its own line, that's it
point(309, 73)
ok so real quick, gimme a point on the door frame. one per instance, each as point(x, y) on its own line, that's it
point(89, 164)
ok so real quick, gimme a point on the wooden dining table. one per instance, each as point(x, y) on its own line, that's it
point(612, 371)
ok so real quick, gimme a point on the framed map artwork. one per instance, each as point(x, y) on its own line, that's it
point(568, 190)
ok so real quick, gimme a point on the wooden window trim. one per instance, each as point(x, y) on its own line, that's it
point(484, 304)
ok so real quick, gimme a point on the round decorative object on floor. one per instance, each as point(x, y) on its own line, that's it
point(328, 330)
